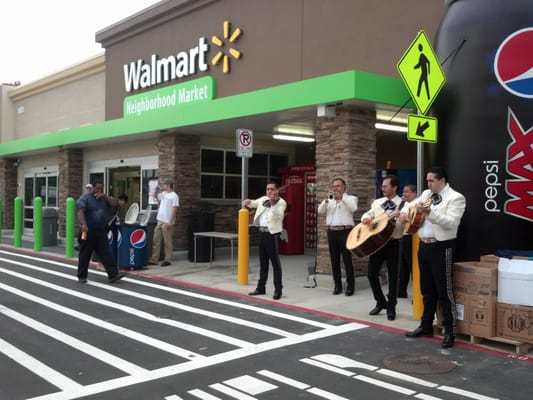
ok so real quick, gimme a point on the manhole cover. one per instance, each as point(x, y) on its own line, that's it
point(419, 364)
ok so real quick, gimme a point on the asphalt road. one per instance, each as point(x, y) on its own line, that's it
point(142, 338)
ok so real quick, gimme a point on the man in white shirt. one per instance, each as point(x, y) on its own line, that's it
point(270, 210)
point(339, 208)
point(443, 209)
point(166, 217)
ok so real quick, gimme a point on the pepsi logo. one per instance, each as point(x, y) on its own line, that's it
point(138, 238)
point(513, 64)
point(119, 238)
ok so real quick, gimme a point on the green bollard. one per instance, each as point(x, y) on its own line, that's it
point(38, 224)
point(70, 227)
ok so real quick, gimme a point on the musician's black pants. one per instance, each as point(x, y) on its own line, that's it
point(269, 251)
point(390, 253)
point(337, 248)
point(406, 265)
point(435, 262)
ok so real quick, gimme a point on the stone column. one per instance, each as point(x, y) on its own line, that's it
point(69, 178)
point(345, 148)
point(179, 159)
point(8, 191)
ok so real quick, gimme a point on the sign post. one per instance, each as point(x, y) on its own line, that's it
point(245, 141)
point(424, 78)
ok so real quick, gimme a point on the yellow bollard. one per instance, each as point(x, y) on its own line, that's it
point(243, 247)
point(418, 305)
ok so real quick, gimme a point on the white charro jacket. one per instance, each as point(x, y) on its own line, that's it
point(445, 216)
point(274, 214)
point(376, 209)
point(345, 207)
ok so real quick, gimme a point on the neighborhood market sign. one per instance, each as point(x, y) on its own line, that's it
point(194, 91)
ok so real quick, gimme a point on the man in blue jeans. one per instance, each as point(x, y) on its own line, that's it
point(92, 210)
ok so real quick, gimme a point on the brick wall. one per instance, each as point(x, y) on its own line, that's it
point(8, 191)
point(345, 148)
point(70, 171)
point(179, 159)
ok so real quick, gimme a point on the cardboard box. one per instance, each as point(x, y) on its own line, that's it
point(515, 322)
point(515, 282)
point(489, 258)
point(462, 314)
point(482, 315)
point(474, 277)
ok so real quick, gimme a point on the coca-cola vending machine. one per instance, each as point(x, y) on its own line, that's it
point(297, 188)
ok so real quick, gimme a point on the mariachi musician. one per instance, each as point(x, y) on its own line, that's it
point(391, 204)
point(443, 209)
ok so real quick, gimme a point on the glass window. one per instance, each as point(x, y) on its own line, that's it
point(51, 196)
point(258, 165)
point(221, 173)
point(233, 163)
point(149, 181)
point(212, 187)
point(212, 161)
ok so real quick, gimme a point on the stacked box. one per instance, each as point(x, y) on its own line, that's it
point(482, 315)
point(475, 286)
point(489, 258)
point(515, 322)
point(476, 278)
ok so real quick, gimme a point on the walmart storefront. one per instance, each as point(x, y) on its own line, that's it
point(178, 79)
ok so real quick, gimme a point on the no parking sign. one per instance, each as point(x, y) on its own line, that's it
point(245, 141)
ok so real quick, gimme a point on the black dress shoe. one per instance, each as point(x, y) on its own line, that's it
point(376, 310)
point(391, 315)
point(337, 290)
point(117, 277)
point(419, 332)
point(448, 341)
point(256, 292)
point(349, 292)
point(277, 295)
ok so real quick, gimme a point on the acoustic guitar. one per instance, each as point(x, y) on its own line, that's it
point(364, 240)
point(416, 219)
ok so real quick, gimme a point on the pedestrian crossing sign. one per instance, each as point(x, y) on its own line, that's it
point(421, 72)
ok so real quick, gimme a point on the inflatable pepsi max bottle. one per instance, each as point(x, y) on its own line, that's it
point(485, 117)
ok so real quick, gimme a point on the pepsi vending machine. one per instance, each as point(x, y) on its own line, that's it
point(131, 241)
point(294, 191)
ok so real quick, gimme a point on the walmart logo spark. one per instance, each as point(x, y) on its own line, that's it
point(236, 54)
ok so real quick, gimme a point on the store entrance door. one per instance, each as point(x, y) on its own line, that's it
point(125, 180)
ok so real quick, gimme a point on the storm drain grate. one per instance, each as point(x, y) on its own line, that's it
point(419, 364)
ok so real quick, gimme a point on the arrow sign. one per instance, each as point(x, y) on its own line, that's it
point(421, 128)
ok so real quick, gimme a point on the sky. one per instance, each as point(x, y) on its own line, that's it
point(40, 37)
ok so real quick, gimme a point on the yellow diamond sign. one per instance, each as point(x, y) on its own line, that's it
point(421, 72)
